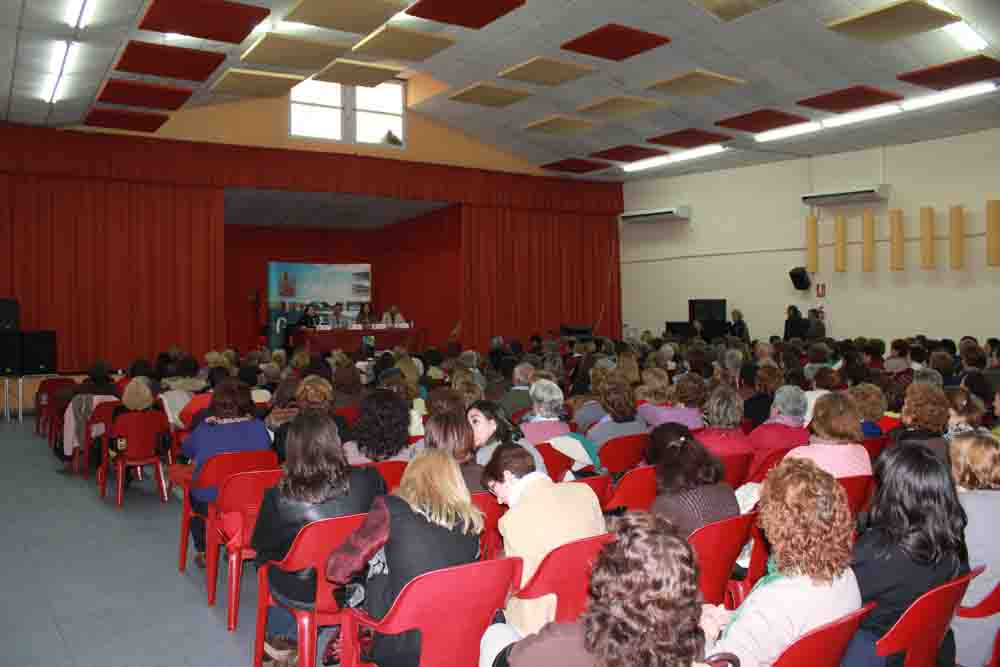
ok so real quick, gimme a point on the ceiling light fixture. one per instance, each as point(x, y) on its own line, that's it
point(961, 32)
point(880, 111)
point(683, 156)
point(79, 13)
point(786, 132)
point(960, 93)
point(57, 57)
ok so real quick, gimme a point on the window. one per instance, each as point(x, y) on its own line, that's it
point(346, 113)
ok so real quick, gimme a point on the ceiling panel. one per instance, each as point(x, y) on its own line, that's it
point(628, 153)
point(892, 21)
point(730, 10)
point(616, 42)
point(125, 119)
point(956, 73)
point(477, 14)
point(689, 138)
point(761, 120)
point(696, 83)
point(218, 20)
point(354, 73)
point(294, 52)
point(255, 83)
point(622, 106)
point(353, 16)
point(850, 99)
point(576, 166)
point(169, 61)
point(546, 71)
point(560, 125)
point(489, 95)
point(403, 44)
point(142, 94)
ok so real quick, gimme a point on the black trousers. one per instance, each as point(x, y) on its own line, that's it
point(198, 524)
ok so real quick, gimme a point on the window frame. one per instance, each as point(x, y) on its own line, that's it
point(348, 118)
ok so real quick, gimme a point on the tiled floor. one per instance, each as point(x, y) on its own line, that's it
point(85, 584)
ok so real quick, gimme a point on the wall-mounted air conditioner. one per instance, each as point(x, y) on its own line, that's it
point(863, 195)
point(670, 214)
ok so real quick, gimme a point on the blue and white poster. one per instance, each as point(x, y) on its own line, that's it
point(291, 287)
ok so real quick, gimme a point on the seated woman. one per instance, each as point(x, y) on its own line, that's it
point(491, 428)
point(871, 403)
point(723, 418)
point(450, 432)
point(975, 467)
point(230, 427)
point(689, 480)
point(757, 408)
point(318, 484)
point(644, 608)
point(836, 434)
point(784, 429)
point(924, 419)
point(312, 393)
point(137, 397)
point(393, 317)
point(587, 407)
point(428, 523)
point(544, 422)
point(806, 518)
point(382, 430)
point(655, 388)
point(965, 412)
point(914, 541)
point(689, 399)
point(621, 418)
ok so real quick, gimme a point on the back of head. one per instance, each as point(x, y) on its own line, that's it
point(382, 428)
point(445, 400)
point(433, 487)
point(769, 379)
point(826, 378)
point(869, 400)
point(790, 401)
point(836, 418)
point(316, 469)
point(547, 398)
point(925, 407)
point(975, 461)
point(977, 383)
point(691, 391)
point(450, 432)
point(217, 375)
point(682, 462)
point(617, 397)
point(724, 408)
point(231, 400)
point(965, 405)
point(523, 374)
point(507, 457)
point(137, 394)
point(248, 375)
point(470, 392)
point(314, 393)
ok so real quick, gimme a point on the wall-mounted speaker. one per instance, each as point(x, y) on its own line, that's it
point(800, 278)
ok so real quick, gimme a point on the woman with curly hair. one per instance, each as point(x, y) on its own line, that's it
point(381, 431)
point(723, 418)
point(655, 388)
point(619, 404)
point(924, 419)
point(803, 511)
point(644, 608)
point(689, 399)
point(836, 436)
point(965, 412)
point(914, 541)
point(871, 404)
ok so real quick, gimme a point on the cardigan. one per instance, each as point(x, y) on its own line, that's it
point(770, 436)
point(840, 460)
point(605, 430)
point(974, 636)
point(691, 509)
point(724, 441)
point(211, 439)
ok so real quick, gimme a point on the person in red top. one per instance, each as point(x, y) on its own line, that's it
point(785, 428)
point(723, 416)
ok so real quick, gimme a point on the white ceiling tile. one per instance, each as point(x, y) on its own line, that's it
point(50, 14)
point(10, 12)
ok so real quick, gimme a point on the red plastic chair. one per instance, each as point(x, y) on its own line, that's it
point(859, 489)
point(624, 453)
point(142, 431)
point(213, 473)
point(240, 495)
point(518, 415)
point(601, 484)
point(773, 459)
point(103, 414)
point(875, 446)
point(717, 546)
point(490, 542)
point(350, 413)
point(746, 425)
point(557, 463)
point(392, 473)
point(467, 595)
point(921, 629)
point(988, 606)
point(122, 382)
point(565, 573)
point(56, 410)
point(43, 399)
point(736, 466)
point(738, 590)
point(636, 490)
point(311, 549)
point(825, 646)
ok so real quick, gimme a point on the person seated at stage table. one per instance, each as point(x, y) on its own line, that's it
point(365, 316)
point(337, 320)
point(309, 319)
point(393, 317)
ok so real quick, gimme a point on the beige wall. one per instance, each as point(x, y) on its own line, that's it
point(747, 230)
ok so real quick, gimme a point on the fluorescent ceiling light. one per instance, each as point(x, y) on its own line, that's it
point(87, 16)
point(786, 132)
point(952, 95)
point(57, 57)
point(50, 82)
point(961, 32)
point(79, 13)
point(880, 111)
point(683, 156)
point(174, 36)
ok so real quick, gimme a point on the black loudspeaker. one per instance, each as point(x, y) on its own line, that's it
point(38, 352)
point(800, 278)
point(10, 353)
point(705, 310)
point(9, 315)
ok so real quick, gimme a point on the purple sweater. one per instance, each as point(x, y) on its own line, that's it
point(210, 440)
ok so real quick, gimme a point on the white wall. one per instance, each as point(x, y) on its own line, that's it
point(747, 230)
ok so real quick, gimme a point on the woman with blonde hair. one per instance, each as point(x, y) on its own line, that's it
point(836, 436)
point(655, 388)
point(428, 523)
point(628, 366)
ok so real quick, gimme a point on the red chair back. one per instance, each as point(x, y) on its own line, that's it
point(557, 463)
point(988, 606)
point(773, 458)
point(518, 415)
point(601, 484)
point(825, 646)
point(746, 426)
point(717, 547)
point(467, 595)
point(875, 446)
point(490, 541)
point(102, 414)
point(244, 493)
point(218, 468)
point(141, 431)
point(921, 629)
point(858, 490)
point(624, 453)
point(50, 386)
point(636, 490)
point(737, 466)
point(350, 413)
point(565, 572)
point(392, 473)
point(122, 382)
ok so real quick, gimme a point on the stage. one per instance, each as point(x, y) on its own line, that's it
point(349, 340)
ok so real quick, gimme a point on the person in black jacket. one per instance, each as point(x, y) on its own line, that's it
point(318, 484)
point(796, 326)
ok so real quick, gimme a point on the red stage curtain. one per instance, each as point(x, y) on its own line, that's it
point(119, 270)
point(526, 272)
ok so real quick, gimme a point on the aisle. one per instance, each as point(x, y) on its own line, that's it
point(88, 585)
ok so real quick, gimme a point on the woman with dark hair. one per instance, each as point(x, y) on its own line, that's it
point(803, 511)
point(451, 432)
point(757, 408)
point(645, 608)
point(318, 484)
point(689, 480)
point(914, 541)
point(381, 431)
point(977, 384)
point(796, 326)
point(230, 427)
point(491, 428)
point(965, 413)
point(619, 403)
point(347, 386)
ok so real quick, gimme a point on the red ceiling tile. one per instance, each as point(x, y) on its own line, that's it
point(761, 120)
point(850, 99)
point(218, 20)
point(628, 153)
point(169, 61)
point(123, 119)
point(575, 165)
point(142, 94)
point(616, 42)
point(690, 138)
point(955, 73)
point(468, 13)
